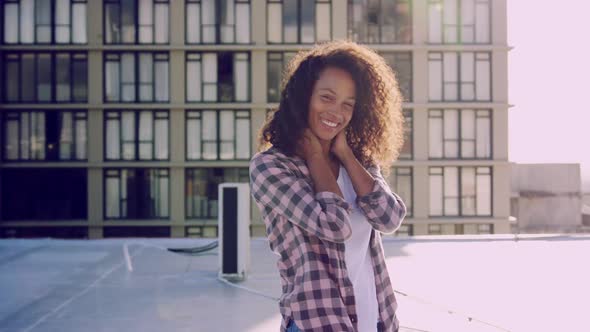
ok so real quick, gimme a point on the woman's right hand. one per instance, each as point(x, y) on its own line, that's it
point(309, 145)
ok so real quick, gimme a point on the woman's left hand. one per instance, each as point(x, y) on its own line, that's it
point(340, 147)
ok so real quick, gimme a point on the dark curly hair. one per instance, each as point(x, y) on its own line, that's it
point(375, 132)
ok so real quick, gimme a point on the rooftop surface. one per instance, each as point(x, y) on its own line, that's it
point(538, 283)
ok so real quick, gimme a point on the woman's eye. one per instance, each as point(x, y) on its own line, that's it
point(349, 106)
point(326, 98)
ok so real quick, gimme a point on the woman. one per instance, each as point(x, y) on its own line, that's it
point(321, 193)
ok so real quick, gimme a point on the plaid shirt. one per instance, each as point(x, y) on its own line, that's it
point(307, 230)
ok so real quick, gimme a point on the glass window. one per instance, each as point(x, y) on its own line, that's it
point(459, 21)
point(434, 229)
point(137, 193)
point(45, 77)
point(277, 63)
point(459, 76)
point(222, 76)
point(136, 21)
point(299, 21)
point(45, 135)
point(464, 134)
point(217, 21)
point(151, 69)
point(218, 135)
point(405, 230)
point(32, 21)
point(407, 151)
point(401, 63)
point(460, 191)
point(137, 135)
point(202, 194)
point(401, 184)
point(380, 21)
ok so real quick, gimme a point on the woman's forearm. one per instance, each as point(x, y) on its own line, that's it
point(362, 180)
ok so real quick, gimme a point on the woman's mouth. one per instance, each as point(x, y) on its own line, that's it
point(329, 124)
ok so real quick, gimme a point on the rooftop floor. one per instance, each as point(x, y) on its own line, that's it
point(539, 283)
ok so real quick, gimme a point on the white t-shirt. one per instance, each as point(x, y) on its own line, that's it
point(358, 260)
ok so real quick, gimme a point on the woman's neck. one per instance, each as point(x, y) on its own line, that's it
point(326, 146)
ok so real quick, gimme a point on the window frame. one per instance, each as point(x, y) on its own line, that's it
point(460, 195)
point(75, 57)
point(136, 75)
point(192, 114)
point(299, 23)
point(458, 23)
point(52, 25)
point(158, 175)
point(188, 58)
point(459, 83)
point(284, 59)
point(365, 39)
point(395, 174)
point(16, 115)
point(136, 24)
point(136, 131)
point(460, 138)
point(408, 115)
point(218, 39)
point(191, 173)
point(387, 55)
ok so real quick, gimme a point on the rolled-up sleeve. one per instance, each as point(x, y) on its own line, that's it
point(274, 186)
point(383, 208)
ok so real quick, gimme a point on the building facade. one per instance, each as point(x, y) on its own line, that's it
point(121, 117)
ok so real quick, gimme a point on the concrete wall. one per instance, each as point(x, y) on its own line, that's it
point(546, 197)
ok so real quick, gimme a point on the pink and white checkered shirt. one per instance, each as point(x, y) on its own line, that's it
point(308, 229)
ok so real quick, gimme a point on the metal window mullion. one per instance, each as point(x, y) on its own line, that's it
point(459, 135)
point(52, 78)
point(217, 24)
point(460, 189)
point(459, 80)
point(45, 112)
point(52, 21)
point(71, 20)
point(136, 24)
point(154, 28)
point(233, 24)
point(235, 140)
point(153, 138)
point(35, 21)
point(136, 141)
point(121, 139)
point(120, 59)
point(153, 84)
point(380, 20)
point(201, 132)
point(74, 134)
point(202, 64)
point(202, 25)
point(72, 59)
point(299, 25)
point(137, 82)
point(36, 71)
point(121, 199)
point(218, 117)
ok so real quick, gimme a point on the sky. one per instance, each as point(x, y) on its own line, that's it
point(549, 72)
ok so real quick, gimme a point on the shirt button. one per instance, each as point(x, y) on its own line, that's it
point(353, 318)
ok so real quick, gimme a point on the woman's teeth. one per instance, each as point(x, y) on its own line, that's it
point(329, 124)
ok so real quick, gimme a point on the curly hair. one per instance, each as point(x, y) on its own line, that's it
point(375, 132)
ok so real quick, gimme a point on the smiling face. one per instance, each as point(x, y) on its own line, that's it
point(332, 103)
